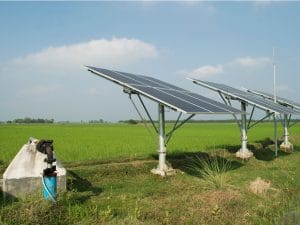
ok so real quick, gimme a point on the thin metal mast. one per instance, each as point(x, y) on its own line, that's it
point(275, 100)
point(274, 75)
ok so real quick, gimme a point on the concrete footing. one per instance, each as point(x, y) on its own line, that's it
point(287, 146)
point(24, 174)
point(166, 171)
point(23, 186)
point(244, 154)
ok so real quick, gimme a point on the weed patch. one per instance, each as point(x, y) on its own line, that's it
point(212, 168)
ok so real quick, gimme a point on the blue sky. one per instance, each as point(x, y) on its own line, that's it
point(44, 45)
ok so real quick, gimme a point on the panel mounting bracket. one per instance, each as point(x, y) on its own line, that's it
point(129, 91)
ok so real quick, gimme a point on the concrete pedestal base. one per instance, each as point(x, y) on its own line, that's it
point(287, 146)
point(244, 154)
point(24, 174)
point(167, 171)
point(23, 186)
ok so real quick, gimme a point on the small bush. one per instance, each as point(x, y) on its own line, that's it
point(212, 169)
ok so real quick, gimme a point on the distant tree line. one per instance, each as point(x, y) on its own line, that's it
point(31, 120)
point(131, 121)
point(97, 121)
point(28, 120)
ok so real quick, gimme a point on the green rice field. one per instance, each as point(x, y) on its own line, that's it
point(81, 142)
point(109, 179)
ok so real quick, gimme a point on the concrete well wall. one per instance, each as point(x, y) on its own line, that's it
point(24, 174)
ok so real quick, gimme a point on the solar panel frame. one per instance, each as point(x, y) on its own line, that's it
point(280, 100)
point(245, 96)
point(165, 93)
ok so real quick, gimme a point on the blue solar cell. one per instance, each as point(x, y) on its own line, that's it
point(149, 81)
point(162, 84)
point(170, 100)
point(206, 103)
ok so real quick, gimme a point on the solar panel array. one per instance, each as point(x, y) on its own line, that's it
point(280, 100)
point(165, 93)
point(247, 97)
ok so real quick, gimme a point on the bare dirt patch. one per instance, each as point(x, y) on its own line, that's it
point(260, 186)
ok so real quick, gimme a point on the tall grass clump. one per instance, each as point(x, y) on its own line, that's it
point(212, 168)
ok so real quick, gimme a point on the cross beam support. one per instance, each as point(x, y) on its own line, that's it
point(163, 138)
point(162, 168)
point(286, 145)
point(244, 153)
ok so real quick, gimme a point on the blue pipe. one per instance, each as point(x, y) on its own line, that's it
point(50, 187)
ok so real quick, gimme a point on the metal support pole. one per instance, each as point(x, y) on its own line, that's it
point(275, 135)
point(286, 132)
point(286, 145)
point(244, 153)
point(162, 147)
point(162, 168)
point(244, 127)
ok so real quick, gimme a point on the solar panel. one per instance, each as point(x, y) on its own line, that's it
point(280, 100)
point(167, 94)
point(246, 96)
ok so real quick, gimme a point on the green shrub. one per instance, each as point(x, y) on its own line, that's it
point(213, 169)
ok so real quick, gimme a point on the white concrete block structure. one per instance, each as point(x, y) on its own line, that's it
point(24, 174)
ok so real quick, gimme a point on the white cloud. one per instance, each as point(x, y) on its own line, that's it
point(247, 62)
point(101, 52)
point(251, 62)
point(53, 77)
point(206, 71)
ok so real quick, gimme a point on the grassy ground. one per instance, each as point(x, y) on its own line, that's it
point(109, 180)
